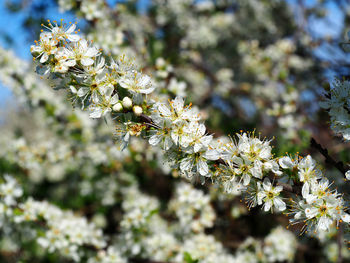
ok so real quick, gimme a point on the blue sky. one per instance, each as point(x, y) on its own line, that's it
point(10, 23)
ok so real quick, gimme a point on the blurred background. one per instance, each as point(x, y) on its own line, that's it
point(248, 65)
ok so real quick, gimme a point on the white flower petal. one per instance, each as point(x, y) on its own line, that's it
point(212, 154)
point(155, 139)
point(71, 29)
point(178, 104)
point(35, 48)
point(346, 218)
point(202, 167)
point(114, 99)
point(70, 63)
point(96, 113)
point(44, 58)
point(267, 205)
point(83, 91)
point(246, 179)
point(87, 61)
point(285, 162)
point(305, 190)
point(164, 110)
point(279, 204)
point(91, 52)
point(73, 37)
point(186, 164)
point(267, 184)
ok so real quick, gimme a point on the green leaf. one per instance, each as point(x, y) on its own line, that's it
point(189, 259)
point(17, 212)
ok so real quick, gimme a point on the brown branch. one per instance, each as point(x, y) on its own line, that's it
point(291, 189)
point(329, 159)
point(202, 67)
point(148, 121)
point(340, 243)
point(212, 77)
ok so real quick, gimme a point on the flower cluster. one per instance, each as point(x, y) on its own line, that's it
point(204, 248)
point(144, 233)
point(280, 245)
point(192, 208)
point(62, 231)
point(179, 132)
point(247, 158)
point(332, 252)
point(93, 83)
point(108, 256)
point(337, 103)
point(10, 191)
point(66, 232)
point(319, 206)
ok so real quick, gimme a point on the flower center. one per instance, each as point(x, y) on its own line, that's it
point(270, 195)
point(323, 210)
point(244, 168)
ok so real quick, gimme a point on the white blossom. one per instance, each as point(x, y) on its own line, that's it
point(270, 196)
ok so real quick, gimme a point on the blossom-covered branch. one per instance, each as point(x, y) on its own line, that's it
point(243, 163)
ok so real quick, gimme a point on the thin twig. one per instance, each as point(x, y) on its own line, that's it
point(340, 243)
point(329, 159)
point(148, 121)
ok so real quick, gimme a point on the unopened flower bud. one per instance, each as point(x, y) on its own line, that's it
point(118, 107)
point(137, 110)
point(347, 175)
point(34, 51)
point(127, 102)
